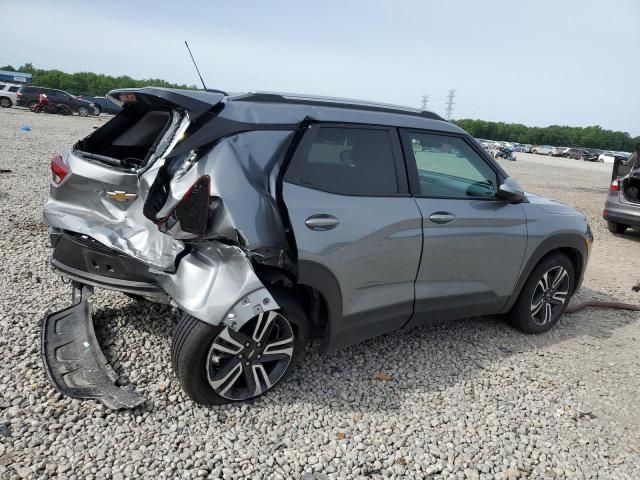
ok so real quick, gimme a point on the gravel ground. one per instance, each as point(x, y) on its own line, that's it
point(469, 399)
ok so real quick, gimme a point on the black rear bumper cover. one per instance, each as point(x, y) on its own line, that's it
point(83, 259)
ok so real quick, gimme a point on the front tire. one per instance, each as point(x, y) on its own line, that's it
point(83, 111)
point(545, 296)
point(217, 365)
point(615, 227)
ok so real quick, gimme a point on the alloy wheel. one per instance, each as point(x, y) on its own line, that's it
point(550, 295)
point(246, 363)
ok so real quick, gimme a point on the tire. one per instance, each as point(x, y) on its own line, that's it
point(196, 359)
point(37, 109)
point(83, 111)
point(32, 104)
point(534, 151)
point(615, 227)
point(97, 110)
point(524, 315)
point(5, 102)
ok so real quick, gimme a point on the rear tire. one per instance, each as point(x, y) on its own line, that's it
point(214, 365)
point(97, 110)
point(32, 104)
point(615, 227)
point(83, 111)
point(545, 296)
point(6, 102)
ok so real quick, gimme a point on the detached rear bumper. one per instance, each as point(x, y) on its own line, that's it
point(74, 361)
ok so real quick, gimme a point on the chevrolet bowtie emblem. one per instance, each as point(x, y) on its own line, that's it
point(121, 196)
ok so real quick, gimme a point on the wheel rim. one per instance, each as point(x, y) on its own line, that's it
point(246, 363)
point(550, 295)
point(5, 102)
point(83, 111)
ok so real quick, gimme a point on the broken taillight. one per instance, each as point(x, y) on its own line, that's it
point(59, 169)
point(191, 215)
point(615, 186)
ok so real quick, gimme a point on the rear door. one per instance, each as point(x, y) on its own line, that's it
point(357, 229)
point(474, 244)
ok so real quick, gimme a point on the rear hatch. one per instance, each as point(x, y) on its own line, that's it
point(99, 187)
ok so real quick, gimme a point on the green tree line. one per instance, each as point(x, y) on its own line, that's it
point(557, 135)
point(87, 83)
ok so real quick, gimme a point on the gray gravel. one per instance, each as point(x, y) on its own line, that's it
point(470, 399)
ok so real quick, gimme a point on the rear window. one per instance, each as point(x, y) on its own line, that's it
point(29, 90)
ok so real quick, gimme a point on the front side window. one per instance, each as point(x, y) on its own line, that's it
point(347, 161)
point(449, 167)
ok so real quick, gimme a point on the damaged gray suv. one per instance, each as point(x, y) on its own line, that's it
point(271, 219)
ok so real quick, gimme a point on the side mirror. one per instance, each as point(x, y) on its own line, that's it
point(510, 191)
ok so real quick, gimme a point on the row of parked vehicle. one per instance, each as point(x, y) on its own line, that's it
point(30, 97)
point(577, 153)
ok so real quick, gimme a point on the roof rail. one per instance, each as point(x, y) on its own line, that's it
point(334, 103)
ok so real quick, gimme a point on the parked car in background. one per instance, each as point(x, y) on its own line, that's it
point(29, 96)
point(622, 207)
point(258, 226)
point(8, 95)
point(102, 105)
point(546, 150)
point(575, 153)
point(610, 157)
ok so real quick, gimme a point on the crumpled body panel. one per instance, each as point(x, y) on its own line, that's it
point(216, 283)
point(80, 204)
point(243, 169)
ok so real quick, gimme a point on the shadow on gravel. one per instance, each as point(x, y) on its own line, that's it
point(421, 361)
point(632, 235)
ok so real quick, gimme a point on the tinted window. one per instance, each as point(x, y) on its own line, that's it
point(449, 167)
point(13, 89)
point(2, 86)
point(349, 161)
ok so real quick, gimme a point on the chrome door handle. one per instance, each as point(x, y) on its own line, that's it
point(442, 217)
point(321, 222)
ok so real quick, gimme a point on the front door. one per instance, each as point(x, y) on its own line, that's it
point(474, 243)
point(357, 229)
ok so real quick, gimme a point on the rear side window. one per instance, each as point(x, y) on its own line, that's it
point(14, 89)
point(347, 161)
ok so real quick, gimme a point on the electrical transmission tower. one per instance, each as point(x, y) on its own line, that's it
point(425, 101)
point(450, 103)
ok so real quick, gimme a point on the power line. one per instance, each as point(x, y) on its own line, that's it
point(425, 101)
point(450, 103)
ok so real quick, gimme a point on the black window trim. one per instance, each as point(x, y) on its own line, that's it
point(304, 146)
point(412, 168)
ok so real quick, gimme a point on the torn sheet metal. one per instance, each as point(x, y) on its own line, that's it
point(243, 169)
point(217, 284)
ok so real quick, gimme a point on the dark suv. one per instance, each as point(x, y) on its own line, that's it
point(29, 96)
point(269, 219)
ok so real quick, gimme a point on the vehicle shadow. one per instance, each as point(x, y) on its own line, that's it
point(433, 358)
point(421, 361)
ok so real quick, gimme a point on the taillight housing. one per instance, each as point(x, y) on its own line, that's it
point(615, 186)
point(190, 217)
point(59, 169)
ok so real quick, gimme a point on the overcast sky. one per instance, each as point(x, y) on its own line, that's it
point(543, 62)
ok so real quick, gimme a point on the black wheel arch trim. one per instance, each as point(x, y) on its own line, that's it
point(318, 276)
point(565, 241)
